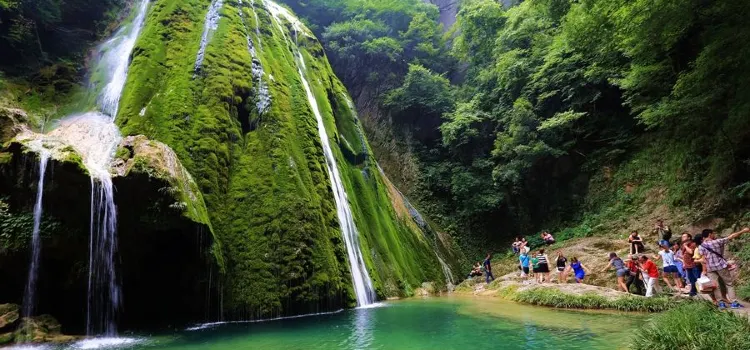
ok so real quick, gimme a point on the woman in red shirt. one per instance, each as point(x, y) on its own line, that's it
point(688, 263)
point(650, 274)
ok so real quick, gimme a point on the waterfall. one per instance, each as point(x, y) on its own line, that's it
point(29, 298)
point(361, 278)
point(95, 137)
point(262, 95)
point(115, 58)
point(257, 25)
point(209, 26)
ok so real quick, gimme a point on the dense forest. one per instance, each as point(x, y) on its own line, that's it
point(550, 114)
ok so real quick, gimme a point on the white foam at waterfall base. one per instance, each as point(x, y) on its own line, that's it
point(363, 288)
point(115, 56)
point(102, 343)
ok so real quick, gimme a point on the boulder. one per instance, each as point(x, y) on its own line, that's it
point(8, 317)
point(41, 329)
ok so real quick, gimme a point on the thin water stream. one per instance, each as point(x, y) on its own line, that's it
point(360, 276)
point(29, 297)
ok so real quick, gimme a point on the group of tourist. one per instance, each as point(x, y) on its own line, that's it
point(538, 265)
point(685, 262)
point(688, 265)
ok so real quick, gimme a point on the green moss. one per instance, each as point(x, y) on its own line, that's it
point(264, 177)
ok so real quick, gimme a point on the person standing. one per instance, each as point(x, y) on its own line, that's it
point(716, 265)
point(488, 268)
point(669, 267)
point(620, 270)
point(634, 276)
point(663, 232)
point(688, 263)
point(542, 266)
point(524, 263)
point(650, 274)
point(562, 261)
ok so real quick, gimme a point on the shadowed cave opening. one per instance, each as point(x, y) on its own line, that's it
point(165, 268)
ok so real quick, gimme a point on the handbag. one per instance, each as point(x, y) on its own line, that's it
point(705, 285)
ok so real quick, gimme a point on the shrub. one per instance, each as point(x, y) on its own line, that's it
point(694, 326)
point(555, 298)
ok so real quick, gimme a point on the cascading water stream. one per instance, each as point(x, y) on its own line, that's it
point(262, 95)
point(95, 137)
point(209, 27)
point(29, 298)
point(361, 278)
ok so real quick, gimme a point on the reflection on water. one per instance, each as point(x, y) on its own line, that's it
point(362, 335)
point(435, 323)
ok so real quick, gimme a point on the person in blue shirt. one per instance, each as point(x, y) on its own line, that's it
point(488, 268)
point(524, 260)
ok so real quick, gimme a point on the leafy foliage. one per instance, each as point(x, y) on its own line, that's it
point(694, 326)
point(557, 95)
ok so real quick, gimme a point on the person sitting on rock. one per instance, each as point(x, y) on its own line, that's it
point(636, 243)
point(547, 238)
point(620, 270)
point(516, 246)
point(476, 270)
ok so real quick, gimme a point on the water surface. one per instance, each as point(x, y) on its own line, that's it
point(434, 323)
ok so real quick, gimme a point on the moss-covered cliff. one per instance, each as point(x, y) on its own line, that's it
point(262, 172)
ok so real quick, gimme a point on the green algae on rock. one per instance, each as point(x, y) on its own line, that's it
point(262, 172)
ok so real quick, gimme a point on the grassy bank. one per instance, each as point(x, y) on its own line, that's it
point(555, 298)
point(570, 296)
point(694, 326)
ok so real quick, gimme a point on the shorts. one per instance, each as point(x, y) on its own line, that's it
point(670, 269)
point(543, 268)
point(623, 272)
point(560, 268)
point(526, 270)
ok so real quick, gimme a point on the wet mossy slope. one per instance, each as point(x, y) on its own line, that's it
point(263, 174)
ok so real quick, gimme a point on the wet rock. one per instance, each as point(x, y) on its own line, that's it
point(9, 314)
point(41, 329)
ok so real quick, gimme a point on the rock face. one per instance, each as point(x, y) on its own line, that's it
point(39, 329)
point(448, 11)
point(223, 192)
point(167, 250)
